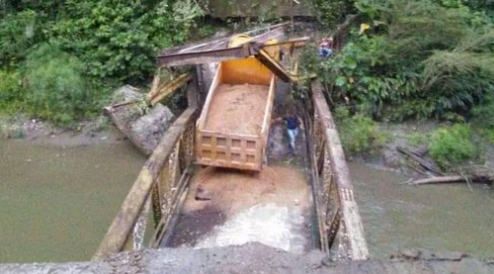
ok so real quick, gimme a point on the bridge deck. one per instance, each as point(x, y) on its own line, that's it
point(255, 258)
point(229, 207)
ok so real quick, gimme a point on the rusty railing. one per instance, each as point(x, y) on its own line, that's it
point(157, 192)
point(340, 226)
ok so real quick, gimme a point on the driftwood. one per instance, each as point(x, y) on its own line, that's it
point(482, 177)
point(419, 157)
point(439, 180)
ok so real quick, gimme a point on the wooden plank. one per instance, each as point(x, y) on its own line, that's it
point(169, 88)
point(349, 208)
point(123, 223)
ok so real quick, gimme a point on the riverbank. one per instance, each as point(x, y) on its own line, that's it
point(89, 132)
point(416, 136)
point(398, 216)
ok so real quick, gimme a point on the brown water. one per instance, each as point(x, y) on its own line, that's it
point(57, 203)
point(434, 217)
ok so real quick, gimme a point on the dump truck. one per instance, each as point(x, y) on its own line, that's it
point(233, 128)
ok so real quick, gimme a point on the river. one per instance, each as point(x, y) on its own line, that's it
point(396, 217)
point(56, 203)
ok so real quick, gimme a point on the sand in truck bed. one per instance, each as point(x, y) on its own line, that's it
point(237, 109)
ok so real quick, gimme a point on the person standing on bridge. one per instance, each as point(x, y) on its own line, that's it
point(293, 123)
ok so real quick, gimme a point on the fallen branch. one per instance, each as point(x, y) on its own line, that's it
point(439, 180)
point(424, 162)
point(475, 178)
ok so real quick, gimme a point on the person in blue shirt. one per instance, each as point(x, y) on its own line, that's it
point(293, 123)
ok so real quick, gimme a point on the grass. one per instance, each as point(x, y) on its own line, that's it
point(453, 145)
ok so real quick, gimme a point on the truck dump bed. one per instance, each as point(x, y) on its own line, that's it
point(233, 128)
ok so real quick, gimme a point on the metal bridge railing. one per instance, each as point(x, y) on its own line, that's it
point(156, 193)
point(339, 220)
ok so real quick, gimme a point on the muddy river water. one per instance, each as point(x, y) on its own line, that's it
point(435, 217)
point(56, 204)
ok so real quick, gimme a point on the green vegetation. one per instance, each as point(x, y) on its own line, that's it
point(59, 60)
point(419, 59)
point(452, 145)
point(56, 88)
point(331, 12)
point(358, 133)
point(10, 91)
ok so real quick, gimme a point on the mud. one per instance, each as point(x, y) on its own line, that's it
point(272, 207)
point(84, 133)
point(233, 191)
point(279, 152)
point(193, 225)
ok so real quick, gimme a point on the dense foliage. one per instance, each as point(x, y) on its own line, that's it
point(332, 12)
point(10, 91)
point(66, 53)
point(359, 134)
point(452, 145)
point(424, 58)
point(56, 88)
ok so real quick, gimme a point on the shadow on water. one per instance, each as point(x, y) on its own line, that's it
point(433, 217)
point(57, 203)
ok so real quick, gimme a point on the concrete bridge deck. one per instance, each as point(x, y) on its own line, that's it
point(257, 258)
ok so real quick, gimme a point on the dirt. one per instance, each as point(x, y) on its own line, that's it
point(237, 109)
point(233, 191)
point(194, 224)
point(232, 207)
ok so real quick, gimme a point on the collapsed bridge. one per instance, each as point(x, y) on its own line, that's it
point(201, 180)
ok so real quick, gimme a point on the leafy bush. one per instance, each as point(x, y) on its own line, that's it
point(10, 91)
point(483, 114)
point(120, 39)
point(482, 117)
point(57, 90)
point(452, 145)
point(16, 36)
point(358, 133)
point(330, 12)
point(420, 59)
